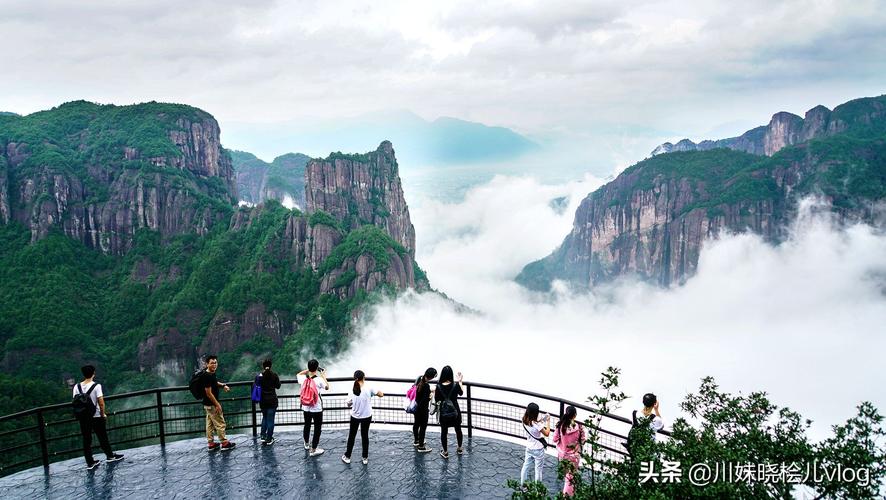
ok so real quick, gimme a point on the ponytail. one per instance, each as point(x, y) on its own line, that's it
point(358, 376)
point(567, 418)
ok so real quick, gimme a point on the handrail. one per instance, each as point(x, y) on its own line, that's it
point(54, 433)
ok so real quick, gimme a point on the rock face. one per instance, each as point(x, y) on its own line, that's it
point(652, 220)
point(362, 189)
point(252, 275)
point(357, 239)
point(786, 129)
point(115, 189)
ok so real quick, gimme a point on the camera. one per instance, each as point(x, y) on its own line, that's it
point(321, 369)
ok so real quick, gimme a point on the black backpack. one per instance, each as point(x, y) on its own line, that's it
point(635, 424)
point(448, 410)
point(82, 406)
point(196, 385)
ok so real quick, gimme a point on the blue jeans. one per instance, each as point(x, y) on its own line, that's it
point(532, 456)
point(267, 422)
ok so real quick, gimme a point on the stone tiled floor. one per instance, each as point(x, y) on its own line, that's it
point(185, 469)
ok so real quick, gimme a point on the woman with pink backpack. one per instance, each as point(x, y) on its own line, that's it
point(313, 380)
point(569, 438)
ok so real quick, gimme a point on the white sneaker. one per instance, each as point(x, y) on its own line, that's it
point(345, 459)
point(365, 461)
point(307, 446)
point(316, 451)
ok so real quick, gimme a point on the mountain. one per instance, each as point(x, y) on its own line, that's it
point(121, 245)
point(444, 141)
point(861, 116)
point(652, 220)
point(283, 179)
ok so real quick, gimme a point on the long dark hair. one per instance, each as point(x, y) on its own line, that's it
point(531, 414)
point(358, 376)
point(429, 375)
point(446, 374)
point(567, 418)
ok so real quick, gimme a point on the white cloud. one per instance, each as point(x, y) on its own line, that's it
point(802, 320)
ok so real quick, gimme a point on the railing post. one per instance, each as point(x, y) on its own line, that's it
point(41, 429)
point(470, 412)
point(562, 409)
point(160, 425)
point(254, 424)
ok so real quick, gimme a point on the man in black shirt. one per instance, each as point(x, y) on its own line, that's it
point(215, 419)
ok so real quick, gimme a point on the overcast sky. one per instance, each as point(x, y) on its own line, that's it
point(568, 72)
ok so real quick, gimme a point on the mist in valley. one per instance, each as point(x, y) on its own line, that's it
point(802, 321)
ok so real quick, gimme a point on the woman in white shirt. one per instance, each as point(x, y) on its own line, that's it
point(535, 445)
point(361, 415)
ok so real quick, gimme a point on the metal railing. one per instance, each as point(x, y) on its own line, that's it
point(41, 436)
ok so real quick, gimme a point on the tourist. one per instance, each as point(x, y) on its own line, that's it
point(269, 383)
point(569, 438)
point(448, 411)
point(422, 409)
point(650, 405)
point(215, 419)
point(312, 382)
point(535, 443)
point(361, 415)
point(90, 411)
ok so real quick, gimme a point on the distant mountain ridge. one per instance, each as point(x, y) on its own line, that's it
point(652, 220)
point(444, 141)
point(786, 129)
point(283, 179)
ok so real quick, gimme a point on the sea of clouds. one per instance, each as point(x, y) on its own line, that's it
point(802, 320)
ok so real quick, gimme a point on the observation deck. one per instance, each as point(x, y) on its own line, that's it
point(161, 433)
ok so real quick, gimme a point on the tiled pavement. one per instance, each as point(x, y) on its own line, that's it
point(185, 469)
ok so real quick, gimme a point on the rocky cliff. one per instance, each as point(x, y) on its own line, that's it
point(786, 129)
point(349, 244)
point(362, 189)
point(181, 271)
point(652, 220)
point(100, 173)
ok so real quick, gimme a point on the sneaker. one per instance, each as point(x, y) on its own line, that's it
point(444, 454)
point(460, 450)
point(415, 443)
point(228, 445)
point(345, 459)
point(93, 465)
point(213, 446)
point(115, 457)
point(316, 451)
point(365, 461)
point(423, 449)
point(307, 446)
point(263, 437)
point(268, 441)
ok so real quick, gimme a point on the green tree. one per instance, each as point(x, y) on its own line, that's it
point(734, 430)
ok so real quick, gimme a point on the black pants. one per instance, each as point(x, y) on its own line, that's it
point(317, 418)
point(97, 424)
point(444, 433)
point(363, 424)
point(420, 426)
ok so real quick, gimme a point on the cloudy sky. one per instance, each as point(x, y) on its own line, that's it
point(605, 78)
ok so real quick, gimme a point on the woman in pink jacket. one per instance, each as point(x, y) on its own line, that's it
point(569, 438)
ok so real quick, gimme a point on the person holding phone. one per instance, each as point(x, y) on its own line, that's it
point(448, 411)
point(537, 429)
